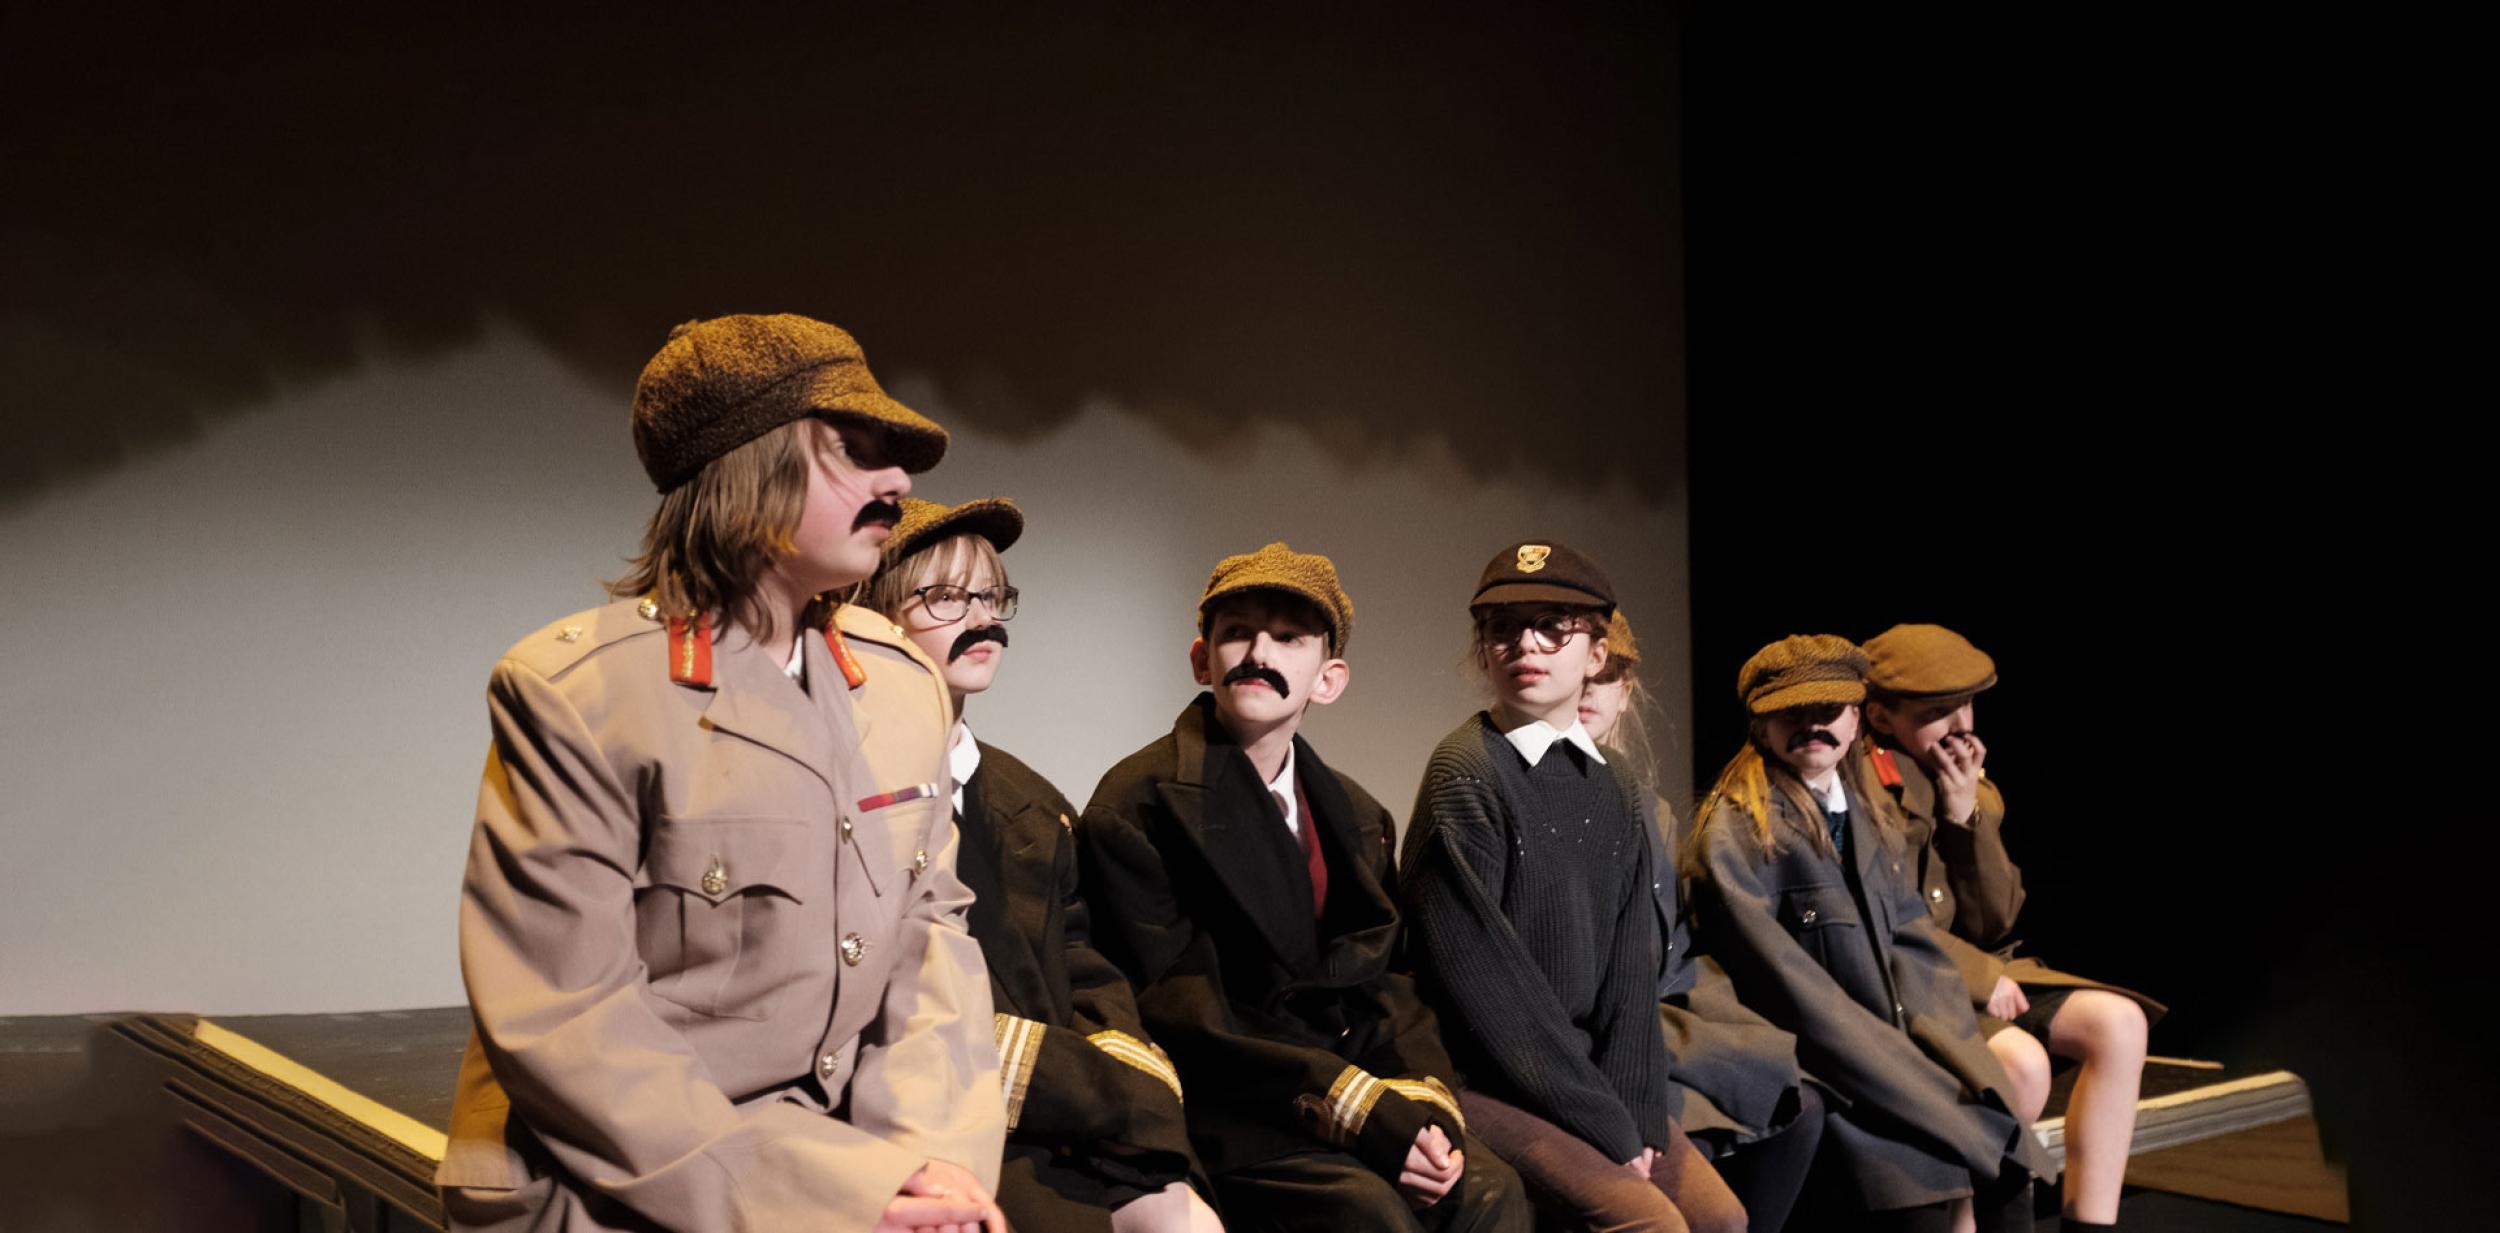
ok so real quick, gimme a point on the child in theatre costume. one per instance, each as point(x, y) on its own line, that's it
point(1744, 1099)
point(1246, 889)
point(1527, 880)
point(1095, 1138)
point(711, 931)
point(1800, 892)
point(1920, 683)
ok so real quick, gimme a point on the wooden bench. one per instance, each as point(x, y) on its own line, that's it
point(336, 1119)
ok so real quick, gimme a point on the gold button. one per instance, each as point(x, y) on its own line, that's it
point(853, 947)
point(716, 878)
point(1936, 893)
point(898, 631)
point(826, 1065)
point(649, 609)
point(846, 828)
point(920, 861)
point(572, 633)
point(1807, 918)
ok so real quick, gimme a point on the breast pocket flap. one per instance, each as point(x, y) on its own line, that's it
point(1807, 908)
point(719, 858)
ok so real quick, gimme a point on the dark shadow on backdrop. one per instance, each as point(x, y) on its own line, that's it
point(1376, 227)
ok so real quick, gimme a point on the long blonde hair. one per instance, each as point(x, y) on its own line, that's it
point(1749, 779)
point(1629, 742)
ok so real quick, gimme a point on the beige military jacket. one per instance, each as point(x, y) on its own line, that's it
point(713, 939)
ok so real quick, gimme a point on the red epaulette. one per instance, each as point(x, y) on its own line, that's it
point(1885, 772)
point(853, 674)
point(690, 651)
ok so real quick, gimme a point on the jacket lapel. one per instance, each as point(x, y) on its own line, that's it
point(1868, 852)
point(1006, 941)
point(1359, 906)
point(867, 833)
point(1220, 804)
point(754, 700)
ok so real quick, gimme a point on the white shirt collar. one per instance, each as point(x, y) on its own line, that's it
point(796, 669)
point(1281, 788)
point(1536, 736)
point(1836, 799)
point(962, 759)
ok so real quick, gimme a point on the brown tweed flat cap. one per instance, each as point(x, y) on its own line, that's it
point(1279, 568)
point(995, 519)
point(718, 384)
point(1801, 670)
point(1540, 571)
point(1926, 661)
point(1620, 645)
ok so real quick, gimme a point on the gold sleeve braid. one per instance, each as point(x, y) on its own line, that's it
point(1143, 1056)
point(1429, 1091)
point(1019, 1047)
point(1339, 1118)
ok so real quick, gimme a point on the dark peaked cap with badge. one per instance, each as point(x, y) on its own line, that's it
point(1276, 567)
point(1802, 670)
point(995, 519)
point(716, 385)
point(1543, 572)
point(1926, 661)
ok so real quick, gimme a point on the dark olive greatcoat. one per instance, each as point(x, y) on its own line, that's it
point(1974, 890)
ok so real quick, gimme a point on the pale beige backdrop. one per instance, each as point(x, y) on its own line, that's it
point(244, 719)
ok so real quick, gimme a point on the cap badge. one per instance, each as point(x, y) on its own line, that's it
point(1532, 557)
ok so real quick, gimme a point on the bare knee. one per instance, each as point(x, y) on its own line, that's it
point(2026, 1066)
point(2100, 1027)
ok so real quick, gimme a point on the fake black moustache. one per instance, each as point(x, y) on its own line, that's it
point(884, 513)
point(973, 637)
point(1803, 739)
point(1247, 671)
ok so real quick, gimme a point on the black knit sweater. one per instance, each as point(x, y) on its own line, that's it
point(1531, 928)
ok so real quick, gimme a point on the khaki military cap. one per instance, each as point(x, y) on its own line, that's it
point(1620, 646)
point(1802, 670)
point(1279, 568)
point(1926, 661)
point(718, 384)
point(995, 519)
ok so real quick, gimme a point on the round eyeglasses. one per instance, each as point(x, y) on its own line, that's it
point(1547, 631)
point(947, 602)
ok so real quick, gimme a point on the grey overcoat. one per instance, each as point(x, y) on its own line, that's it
point(1863, 980)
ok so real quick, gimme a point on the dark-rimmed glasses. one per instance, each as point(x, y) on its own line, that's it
point(1547, 631)
point(947, 602)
